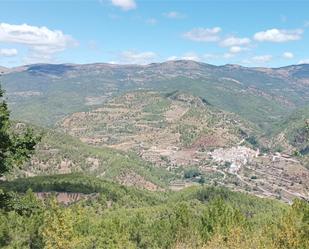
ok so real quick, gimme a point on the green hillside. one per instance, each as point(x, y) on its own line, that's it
point(120, 217)
point(173, 140)
point(60, 153)
point(295, 129)
point(293, 134)
point(53, 91)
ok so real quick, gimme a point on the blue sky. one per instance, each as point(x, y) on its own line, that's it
point(250, 33)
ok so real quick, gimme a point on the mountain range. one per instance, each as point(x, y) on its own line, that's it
point(261, 95)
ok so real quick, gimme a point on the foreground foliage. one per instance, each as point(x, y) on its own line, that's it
point(14, 148)
point(121, 217)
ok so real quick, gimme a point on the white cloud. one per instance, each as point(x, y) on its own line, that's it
point(262, 58)
point(41, 41)
point(125, 4)
point(174, 15)
point(152, 21)
point(306, 24)
point(8, 52)
point(278, 35)
point(235, 41)
point(203, 34)
point(304, 61)
point(237, 49)
point(191, 56)
point(133, 57)
point(39, 38)
point(288, 55)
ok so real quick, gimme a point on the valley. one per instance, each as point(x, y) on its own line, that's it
point(178, 137)
point(152, 139)
point(180, 132)
point(131, 124)
point(150, 126)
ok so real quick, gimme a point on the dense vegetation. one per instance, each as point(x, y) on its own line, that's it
point(14, 148)
point(295, 130)
point(120, 217)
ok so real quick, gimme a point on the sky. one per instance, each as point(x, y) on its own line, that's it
point(246, 32)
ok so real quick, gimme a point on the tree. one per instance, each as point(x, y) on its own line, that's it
point(191, 173)
point(57, 231)
point(15, 148)
point(293, 230)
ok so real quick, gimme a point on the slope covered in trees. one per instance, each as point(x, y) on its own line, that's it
point(58, 153)
point(121, 217)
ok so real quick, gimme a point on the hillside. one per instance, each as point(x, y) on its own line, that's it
point(294, 130)
point(161, 141)
point(173, 125)
point(53, 91)
point(292, 135)
point(58, 153)
point(183, 134)
point(89, 184)
point(101, 214)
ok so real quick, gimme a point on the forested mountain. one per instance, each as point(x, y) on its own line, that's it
point(262, 95)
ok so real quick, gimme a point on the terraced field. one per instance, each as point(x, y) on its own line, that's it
point(179, 132)
point(164, 130)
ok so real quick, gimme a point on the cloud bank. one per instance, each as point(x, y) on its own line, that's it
point(42, 42)
point(278, 35)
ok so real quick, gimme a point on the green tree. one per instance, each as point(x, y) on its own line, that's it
point(15, 148)
point(25, 204)
point(57, 231)
point(293, 230)
point(220, 217)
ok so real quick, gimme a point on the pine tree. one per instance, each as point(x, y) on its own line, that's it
point(14, 148)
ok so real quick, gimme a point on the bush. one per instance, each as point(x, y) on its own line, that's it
point(191, 173)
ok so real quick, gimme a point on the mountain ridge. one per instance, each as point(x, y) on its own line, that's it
point(52, 91)
point(153, 63)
